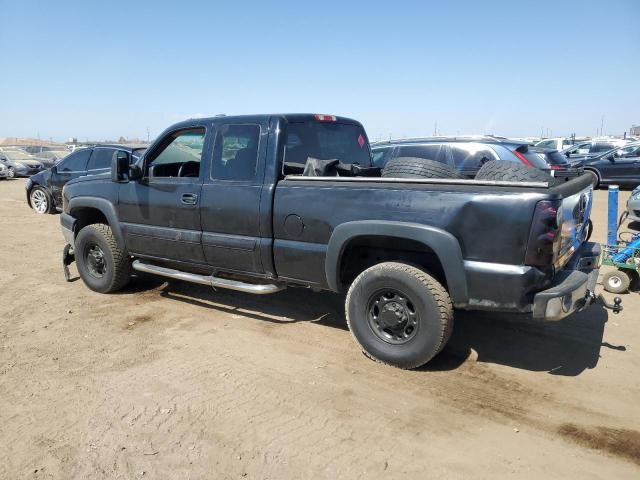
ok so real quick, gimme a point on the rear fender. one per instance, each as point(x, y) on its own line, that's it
point(443, 244)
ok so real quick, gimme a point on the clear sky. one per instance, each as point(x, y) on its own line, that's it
point(101, 69)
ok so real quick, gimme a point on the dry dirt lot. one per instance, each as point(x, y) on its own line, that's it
point(169, 380)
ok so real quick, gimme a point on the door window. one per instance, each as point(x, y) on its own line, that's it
point(76, 162)
point(178, 155)
point(602, 147)
point(628, 152)
point(100, 159)
point(235, 153)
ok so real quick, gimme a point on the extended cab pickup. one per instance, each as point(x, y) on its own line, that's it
point(257, 203)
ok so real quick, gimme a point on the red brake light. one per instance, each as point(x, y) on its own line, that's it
point(544, 238)
point(325, 118)
point(522, 158)
point(555, 167)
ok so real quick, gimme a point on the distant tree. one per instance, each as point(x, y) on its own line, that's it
point(122, 140)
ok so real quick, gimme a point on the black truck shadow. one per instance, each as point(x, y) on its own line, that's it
point(561, 348)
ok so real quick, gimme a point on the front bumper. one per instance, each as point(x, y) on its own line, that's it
point(573, 286)
point(67, 225)
point(4, 173)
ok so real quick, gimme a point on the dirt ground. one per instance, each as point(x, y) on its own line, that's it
point(170, 380)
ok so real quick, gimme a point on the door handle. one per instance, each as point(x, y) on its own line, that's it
point(189, 199)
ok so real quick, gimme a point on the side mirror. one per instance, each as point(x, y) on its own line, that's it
point(120, 166)
point(54, 169)
point(611, 158)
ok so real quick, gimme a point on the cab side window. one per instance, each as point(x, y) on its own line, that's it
point(235, 152)
point(178, 155)
point(75, 162)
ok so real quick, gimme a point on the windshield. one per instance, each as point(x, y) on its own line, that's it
point(326, 141)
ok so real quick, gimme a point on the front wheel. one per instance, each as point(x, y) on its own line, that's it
point(399, 314)
point(11, 173)
point(102, 265)
point(40, 201)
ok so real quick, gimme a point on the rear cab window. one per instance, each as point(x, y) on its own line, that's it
point(324, 140)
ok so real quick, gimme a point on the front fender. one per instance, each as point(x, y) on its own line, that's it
point(103, 206)
point(443, 244)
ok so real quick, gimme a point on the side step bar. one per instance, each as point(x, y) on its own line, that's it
point(210, 280)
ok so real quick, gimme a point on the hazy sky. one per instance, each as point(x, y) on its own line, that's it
point(101, 69)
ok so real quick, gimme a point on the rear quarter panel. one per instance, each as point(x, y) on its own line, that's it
point(490, 223)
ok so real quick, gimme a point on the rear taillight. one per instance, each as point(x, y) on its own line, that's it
point(555, 167)
point(544, 236)
point(522, 158)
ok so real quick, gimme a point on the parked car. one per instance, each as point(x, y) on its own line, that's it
point(44, 190)
point(465, 155)
point(559, 143)
point(620, 165)
point(19, 163)
point(256, 203)
point(593, 148)
point(633, 205)
point(561, 167)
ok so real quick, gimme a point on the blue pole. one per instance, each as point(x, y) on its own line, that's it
point(612, 221)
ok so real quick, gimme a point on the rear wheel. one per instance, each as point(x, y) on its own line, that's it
point(102, 265)
point(411, 167)
point(399, 315)
point(616, 281)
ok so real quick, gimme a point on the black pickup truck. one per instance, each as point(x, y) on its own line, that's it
point(258, 203)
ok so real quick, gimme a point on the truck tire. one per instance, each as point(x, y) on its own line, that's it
point(500, 170)
point(616, 281)
point(399, 315)
point(102, 265)
point(411, 167)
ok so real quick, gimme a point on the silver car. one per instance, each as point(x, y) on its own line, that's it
point(633, 205)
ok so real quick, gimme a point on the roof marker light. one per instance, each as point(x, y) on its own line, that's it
point(325, 118)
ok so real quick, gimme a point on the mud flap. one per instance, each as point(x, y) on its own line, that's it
point(68, 258)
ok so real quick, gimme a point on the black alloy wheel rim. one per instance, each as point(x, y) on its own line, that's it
point(392, 316)
point(95, 260)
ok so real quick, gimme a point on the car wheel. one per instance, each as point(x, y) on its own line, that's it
point(498, 170)
point(40, 201)
point(411, 167)
point(11, 173)
point(102, 265)
point(399, 315)
point(616, 281)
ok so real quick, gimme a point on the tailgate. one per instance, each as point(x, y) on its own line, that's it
point(577, 200)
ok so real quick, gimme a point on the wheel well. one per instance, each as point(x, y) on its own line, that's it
point(87, 216)
point(365, 251)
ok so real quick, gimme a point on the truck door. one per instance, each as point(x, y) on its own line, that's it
point(159, 214)
point(232, 231)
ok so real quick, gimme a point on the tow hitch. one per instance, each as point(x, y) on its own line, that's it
point(616, 307)
point(68, 258)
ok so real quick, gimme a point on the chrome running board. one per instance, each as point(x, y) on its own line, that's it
point(210, 280)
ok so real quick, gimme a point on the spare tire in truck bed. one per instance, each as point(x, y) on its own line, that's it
point(505, 171)
point(412, 167)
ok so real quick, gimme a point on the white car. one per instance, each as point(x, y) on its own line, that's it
point(559, 143)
